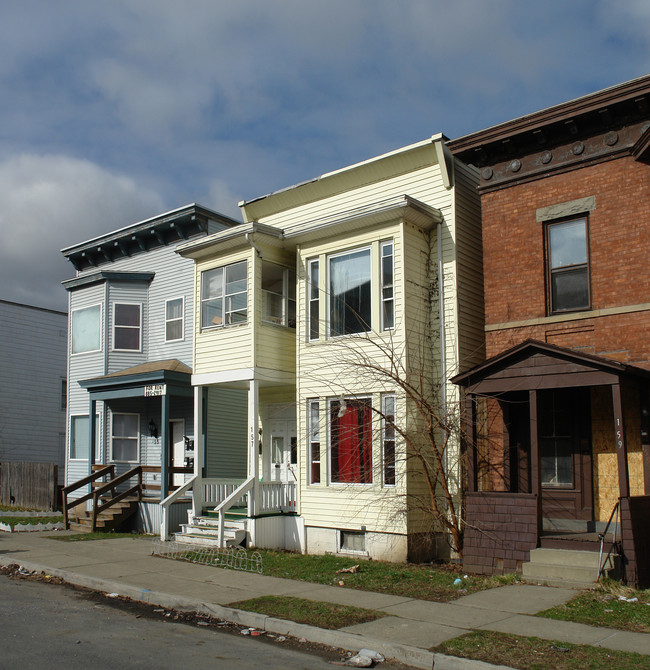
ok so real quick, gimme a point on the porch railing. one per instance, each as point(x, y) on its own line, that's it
point(277, 497)
point(107, 471)
point(164, 505)
point(235, 496)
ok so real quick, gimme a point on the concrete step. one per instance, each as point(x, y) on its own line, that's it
point(199, 529)
point(210, 540)
point(562, 567)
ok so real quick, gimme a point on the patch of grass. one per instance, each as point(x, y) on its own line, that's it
point(603, 607)
point(533, 653)
point(83, 537)
point(314, 613)
point(31, 520)
point(425, 582)
point(15, 508)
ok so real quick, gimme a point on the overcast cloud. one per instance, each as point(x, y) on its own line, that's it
point(114, 112)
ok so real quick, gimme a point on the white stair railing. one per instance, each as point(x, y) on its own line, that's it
point(164, 504)
point(224, 506)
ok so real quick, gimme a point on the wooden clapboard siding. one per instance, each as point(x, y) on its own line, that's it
point(32, 368)
point(230, 347)
point(227, 433)
point(469, 270)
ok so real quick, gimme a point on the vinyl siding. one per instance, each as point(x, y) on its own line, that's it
point(229, 347)
point(32, 367)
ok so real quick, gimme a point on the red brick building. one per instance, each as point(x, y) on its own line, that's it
point(559, 412)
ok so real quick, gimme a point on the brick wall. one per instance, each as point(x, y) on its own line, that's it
point(619, 239)
point(501, 531)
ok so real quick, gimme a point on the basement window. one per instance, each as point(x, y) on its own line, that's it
point(352, 541)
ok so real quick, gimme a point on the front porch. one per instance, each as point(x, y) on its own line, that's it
point(553, 465)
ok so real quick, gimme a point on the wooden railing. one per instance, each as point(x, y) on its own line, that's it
point(115, 498)
point(108, 470)
point(277, 497)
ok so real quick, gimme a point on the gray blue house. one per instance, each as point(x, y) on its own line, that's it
point(130, 398)
point(32, 384)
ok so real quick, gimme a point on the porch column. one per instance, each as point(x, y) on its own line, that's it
point(621, 447)
point(470, 436)
point(253, 438)
point(92, 431)
point(535, 457)
point(164, 446)
point(198, 431)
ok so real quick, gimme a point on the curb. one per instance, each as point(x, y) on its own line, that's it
point(414, 656)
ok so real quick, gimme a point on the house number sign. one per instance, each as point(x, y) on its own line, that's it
point(155, 390)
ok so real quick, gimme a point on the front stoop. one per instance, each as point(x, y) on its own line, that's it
point(565, 567)
point(109, 519)
point(204, 530)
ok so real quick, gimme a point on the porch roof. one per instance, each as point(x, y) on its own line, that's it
point(538, 365)
point(170, 377)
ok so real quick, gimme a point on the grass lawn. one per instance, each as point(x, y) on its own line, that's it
point(604, 606)
point(426, 582)
point(14, 508)
point(83, 537)
point(533, 653)
point(314, 613)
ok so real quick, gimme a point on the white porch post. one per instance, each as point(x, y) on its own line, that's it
point(253, 438)
point(197, 492)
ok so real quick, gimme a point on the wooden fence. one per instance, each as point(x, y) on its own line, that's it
point(29, 485)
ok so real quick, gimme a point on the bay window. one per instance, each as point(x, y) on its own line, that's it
point(278, 294)
point(314, 442)
point(85, 324)
point(127, 327)
point(349, 293)
point(174, 309)
point(351, 441)
point(224, 295)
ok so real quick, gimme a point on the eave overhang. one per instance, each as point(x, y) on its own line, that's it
point(601, 126)
point(104, 276)
point(132, 382)
point(162, 230)
point(227, 240)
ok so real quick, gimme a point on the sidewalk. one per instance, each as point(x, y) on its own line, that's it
point(412, 627)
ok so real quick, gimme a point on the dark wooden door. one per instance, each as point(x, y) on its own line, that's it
point(564, 436)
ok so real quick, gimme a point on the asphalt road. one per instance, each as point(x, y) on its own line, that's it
point(46, 627)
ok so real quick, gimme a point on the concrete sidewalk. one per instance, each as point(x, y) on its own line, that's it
point(412, 627)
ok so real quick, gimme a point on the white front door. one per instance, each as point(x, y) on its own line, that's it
point(177, 439)
point(284, 454)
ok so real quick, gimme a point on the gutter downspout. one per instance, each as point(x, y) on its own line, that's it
point(250, 241)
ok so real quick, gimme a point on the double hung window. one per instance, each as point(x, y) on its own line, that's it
point(568, 266)
point(174, 319)
point(80, 435)
point(125, 436)
point(351, 441)
point(388, 438)
point(314, 442)
point(349, 293)
point(387, 287)
point(313, 299)
point(126, 327)
point(86, 329)
point(279, 295)
point(224, 296)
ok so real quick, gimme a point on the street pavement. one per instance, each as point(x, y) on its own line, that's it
point(126, 567)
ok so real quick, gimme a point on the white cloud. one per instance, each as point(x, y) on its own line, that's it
point(50, 202)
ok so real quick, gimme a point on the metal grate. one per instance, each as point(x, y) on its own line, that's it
point(234, 558)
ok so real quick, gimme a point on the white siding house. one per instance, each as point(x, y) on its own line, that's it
point(375, 261)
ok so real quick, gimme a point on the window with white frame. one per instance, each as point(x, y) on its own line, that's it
point(350, 292)
point(174, 309)
point(127, 319)
point(224, 296)
point(79, 436)
point(313, 300)
point(278, 294)
point(351, 441)
point(352, 541)
point(388, 438)
point(125, 437)
point(314, 442)
point(85, 325)
point(387, 286)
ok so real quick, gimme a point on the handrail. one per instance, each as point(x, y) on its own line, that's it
point(602, 535)
point(164, 504)
point(228, 502)
point(110, 486)
point(108, 470)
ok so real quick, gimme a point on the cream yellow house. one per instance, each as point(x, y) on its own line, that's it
point(319, 310)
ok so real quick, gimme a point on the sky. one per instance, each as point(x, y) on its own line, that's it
point(113, 112)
